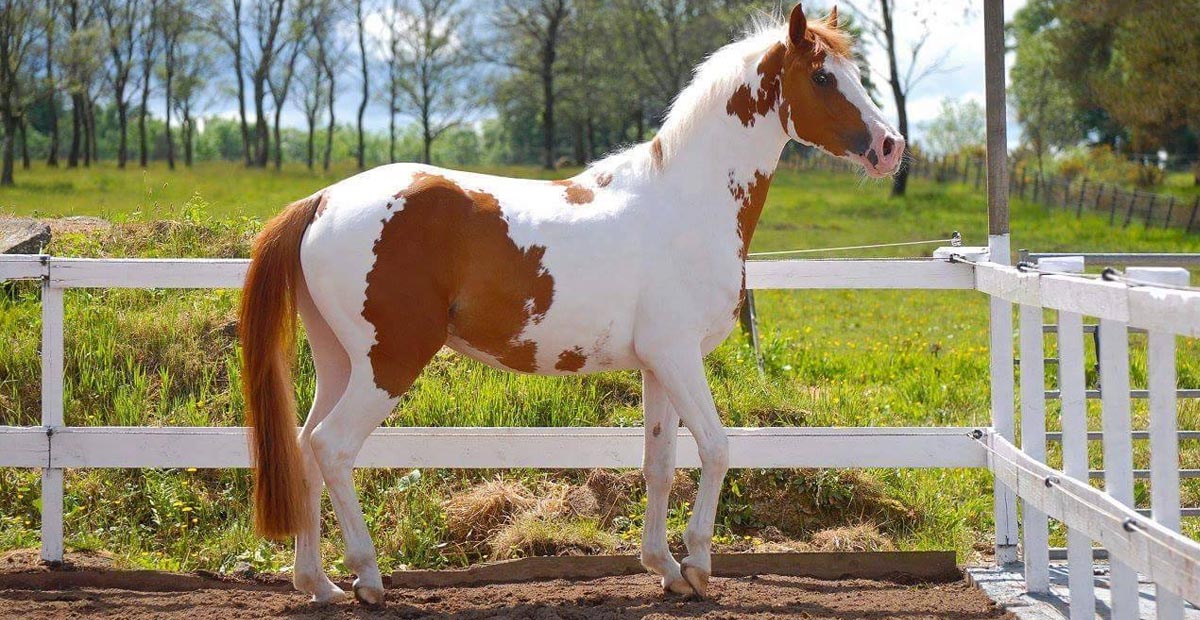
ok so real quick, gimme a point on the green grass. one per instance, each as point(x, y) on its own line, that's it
point(833, 358)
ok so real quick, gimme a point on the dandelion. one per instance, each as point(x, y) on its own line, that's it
point(191, 469)
point(187, 508)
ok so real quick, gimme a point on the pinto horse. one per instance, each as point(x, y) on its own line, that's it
point(637, 263)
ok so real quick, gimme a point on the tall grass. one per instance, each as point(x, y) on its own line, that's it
point(833, 358)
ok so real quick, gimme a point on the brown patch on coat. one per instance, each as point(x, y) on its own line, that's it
point(444, 264)
point(657, 430)
point(751, 198)
point(749, 104)
point(604, 179)
point(571, 360)
point(576, 193)
point(656, 153)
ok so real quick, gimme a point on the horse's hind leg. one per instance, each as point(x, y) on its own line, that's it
point(336, 441)
point(333, 372)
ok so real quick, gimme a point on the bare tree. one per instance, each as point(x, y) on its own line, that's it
point(394, 39)
point(225, 21)
point(19, 22)
point(193, 64)
point(80, 67)
point(360, 17)
point(269, 41)
point(880, 26)
point(533, 30)
point(310, 82)
point(52, 85)
point(280, 77)
point(148, 55)
point(176, 19)
point(120, 20)
point(432, 65)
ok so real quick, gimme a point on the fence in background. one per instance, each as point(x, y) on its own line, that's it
point(1123, 207)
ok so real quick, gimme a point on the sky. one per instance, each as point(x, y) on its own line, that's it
point(956, 35)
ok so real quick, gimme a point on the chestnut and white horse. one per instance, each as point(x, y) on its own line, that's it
point(638, 263)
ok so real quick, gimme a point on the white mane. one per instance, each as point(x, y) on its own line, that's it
point(713, 83)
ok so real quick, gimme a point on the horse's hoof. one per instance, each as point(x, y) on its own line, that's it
point(333, 595)
point(368, 595)
point(678, 586)
point(696, 577)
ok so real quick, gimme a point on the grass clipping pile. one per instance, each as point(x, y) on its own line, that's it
point(762, 511)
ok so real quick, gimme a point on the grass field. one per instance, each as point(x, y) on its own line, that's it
point(834, 358)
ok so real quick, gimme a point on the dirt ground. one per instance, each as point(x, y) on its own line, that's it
point(89, 589)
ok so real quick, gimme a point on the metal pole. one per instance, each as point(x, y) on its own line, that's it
point(1001, 341)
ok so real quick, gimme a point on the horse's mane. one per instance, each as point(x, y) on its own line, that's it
point(720, 74)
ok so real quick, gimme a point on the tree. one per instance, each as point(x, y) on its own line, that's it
point(266, 30)
point(531, 32)
point(959, 125)
point(433, 66)
point(19, 25)
point(80, 68)
point(51, 85)
point(120, 19)
point(176, 20)
point(1044, 105)
point(225, 21)
point(312, 89)
point(880, 26)
point(148, 55)
point(279, 80)
point(360, 18)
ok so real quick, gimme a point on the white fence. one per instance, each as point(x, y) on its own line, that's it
point(1150, 546)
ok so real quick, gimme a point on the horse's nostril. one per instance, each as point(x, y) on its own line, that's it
point(889, 144)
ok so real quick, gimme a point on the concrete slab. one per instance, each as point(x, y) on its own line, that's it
point(1006, 586)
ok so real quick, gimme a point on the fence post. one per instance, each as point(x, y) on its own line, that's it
point(1112, 214)
point(1037, 185)
point(1150, 210)
point(1118, 451)
point(1082, 193)
point(52, 418)
point(1034, 524)
point(1099, 197)
point(1164, 438)
point(1170, 213)
point(1072, 389)
point(1129, 214)
point(1192, 219)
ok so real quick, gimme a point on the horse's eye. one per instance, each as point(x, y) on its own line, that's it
point(822, 78)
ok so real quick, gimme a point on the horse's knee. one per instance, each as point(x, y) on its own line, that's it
point(714, 452)
point(328, 447)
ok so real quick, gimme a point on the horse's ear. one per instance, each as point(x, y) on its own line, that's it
point(833, 16)
point(797, 26)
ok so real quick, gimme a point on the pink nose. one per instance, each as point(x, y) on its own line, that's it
point(886, 152)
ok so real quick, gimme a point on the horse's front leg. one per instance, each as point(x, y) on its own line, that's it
point(658, 467)
point(680, 371)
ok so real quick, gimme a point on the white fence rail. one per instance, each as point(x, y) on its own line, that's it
point(1160, 303)
point(1137, 544)
point(54, 446)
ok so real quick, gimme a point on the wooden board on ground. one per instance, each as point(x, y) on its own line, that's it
point(906, 566)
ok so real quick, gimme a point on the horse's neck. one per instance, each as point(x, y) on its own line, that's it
point(714, 163)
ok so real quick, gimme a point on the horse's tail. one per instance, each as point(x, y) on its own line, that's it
point(267, 329)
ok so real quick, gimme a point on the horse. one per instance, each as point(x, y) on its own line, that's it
point(638, 263)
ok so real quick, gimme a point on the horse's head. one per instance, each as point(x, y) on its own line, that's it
point(822, 99)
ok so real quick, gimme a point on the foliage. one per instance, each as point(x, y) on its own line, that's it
point(959, 127)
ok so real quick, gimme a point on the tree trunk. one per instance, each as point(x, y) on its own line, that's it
point(426, 136)
point(143, 142)
point(167, 116)
point(76, 124)
point(278, 135)
point(262, 137)
point(548, 114)
point(123, 140)
point(52, 156)
point(366, 84)
point(900, 182)
point(10, 146)
point(241, 80)
point(312, 139)
point(188, 132)
point(392, 133)
point(92, 143)
point(332, 119)
point(24, 126)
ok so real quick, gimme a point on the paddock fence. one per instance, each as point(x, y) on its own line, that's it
point(1157, 301)
point(1123, 207)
